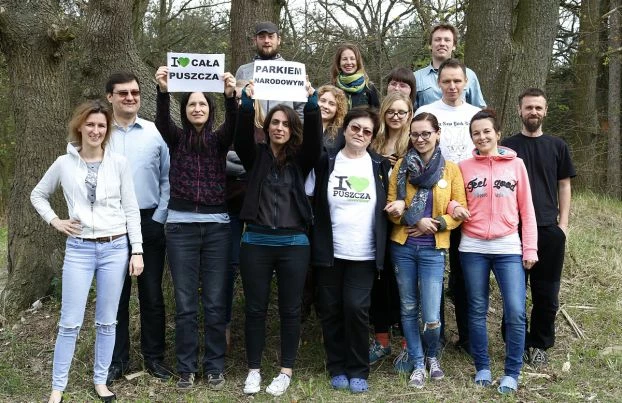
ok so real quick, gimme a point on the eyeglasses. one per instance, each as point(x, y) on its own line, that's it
point(423, 135)
point(356, 129)
point(398, 84)
point(125, 93)
point(391, 113)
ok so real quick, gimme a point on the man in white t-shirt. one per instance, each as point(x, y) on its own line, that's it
point(454, 116)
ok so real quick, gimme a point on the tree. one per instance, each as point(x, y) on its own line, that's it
point(587, 138)
point(33, 37)
point(614, 180)
point(509, 45)
point(244, 15)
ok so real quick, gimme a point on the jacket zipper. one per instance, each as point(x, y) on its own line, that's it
point(196, 205)
point(274, 202)
point(492, 199)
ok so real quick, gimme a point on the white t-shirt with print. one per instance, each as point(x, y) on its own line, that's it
point(456, 144)
point(352, 203)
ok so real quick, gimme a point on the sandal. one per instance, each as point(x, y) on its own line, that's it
point(507, 385)
point(339, 382)
point(358, 385)
point(483, 378)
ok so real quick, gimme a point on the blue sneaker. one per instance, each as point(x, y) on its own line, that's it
point(339, 382)
point(358, 385)
point(403, 364)
point(377, 352)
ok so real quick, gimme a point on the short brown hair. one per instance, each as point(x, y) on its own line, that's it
point(82, 112)
point(531, 92)
point(447, 27)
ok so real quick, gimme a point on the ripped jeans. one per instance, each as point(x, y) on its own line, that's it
point(107, 261)
point(419, 273)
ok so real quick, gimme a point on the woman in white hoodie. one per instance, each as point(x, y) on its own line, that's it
point(103, 212)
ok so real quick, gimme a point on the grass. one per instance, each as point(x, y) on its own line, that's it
point(579, 370)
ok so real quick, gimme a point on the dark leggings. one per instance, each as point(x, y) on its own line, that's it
point(257, 263)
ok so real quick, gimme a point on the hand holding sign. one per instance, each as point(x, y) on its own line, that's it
point(229, 80)
point(161, 77)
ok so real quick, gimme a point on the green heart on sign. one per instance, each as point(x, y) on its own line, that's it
point(358, 183)
point(183, 61)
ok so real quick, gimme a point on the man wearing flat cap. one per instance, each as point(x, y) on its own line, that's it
point(267, 41)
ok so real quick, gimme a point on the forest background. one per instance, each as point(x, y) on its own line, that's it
point(56, 53)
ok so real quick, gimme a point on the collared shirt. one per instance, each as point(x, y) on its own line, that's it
point(143, 146)
point(428, 90)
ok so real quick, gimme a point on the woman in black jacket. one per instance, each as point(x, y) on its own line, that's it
point(348, 245)
point(277, 216)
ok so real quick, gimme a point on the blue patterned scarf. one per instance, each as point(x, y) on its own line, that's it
point(421, 175)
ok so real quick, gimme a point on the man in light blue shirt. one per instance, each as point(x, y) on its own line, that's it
point(141, 143)
point(443, 41)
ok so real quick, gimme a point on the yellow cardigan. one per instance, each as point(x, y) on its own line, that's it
point(441, 198)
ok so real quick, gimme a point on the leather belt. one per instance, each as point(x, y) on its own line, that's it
point(103, 239)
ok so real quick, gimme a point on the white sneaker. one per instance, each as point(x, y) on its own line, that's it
point(252, 384)
point(279, 385)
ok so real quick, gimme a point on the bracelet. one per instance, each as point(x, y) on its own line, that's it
point(137, 254)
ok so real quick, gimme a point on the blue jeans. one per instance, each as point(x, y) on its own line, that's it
point(108, 262)
point(419, 273)
point(510, 276)
point(198, 255)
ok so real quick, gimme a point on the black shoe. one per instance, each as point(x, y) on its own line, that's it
point(115, 371)
point(158, 370)
point(106, 399)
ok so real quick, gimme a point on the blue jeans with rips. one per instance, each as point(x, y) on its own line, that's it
point(419, 273)
point(107, 262)
point(510, 276)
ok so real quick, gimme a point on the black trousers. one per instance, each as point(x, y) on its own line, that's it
point(544, 280)
point(385, 299)
point(257, 263)
point(152, 316)
point(343, 300)
point(457, 290)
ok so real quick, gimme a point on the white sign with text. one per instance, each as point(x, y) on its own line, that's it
point(195, 72)
point(280, 80)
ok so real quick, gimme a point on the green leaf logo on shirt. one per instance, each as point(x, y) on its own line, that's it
point(357, 183)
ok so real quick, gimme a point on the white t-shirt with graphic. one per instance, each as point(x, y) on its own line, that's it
point(352, 203)
point(456, 144)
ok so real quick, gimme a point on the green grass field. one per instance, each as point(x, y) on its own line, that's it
point(580, 369)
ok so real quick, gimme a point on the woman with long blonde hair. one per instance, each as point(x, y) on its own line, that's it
point(333, 107)
point(396, 111)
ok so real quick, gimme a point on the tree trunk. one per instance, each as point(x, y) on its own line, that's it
point(588, 142)
point(244, 15)
point(614, 181)
point(509, 45)
point(32, 39)
point(107, 45)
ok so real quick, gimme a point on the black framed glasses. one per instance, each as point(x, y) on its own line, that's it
point(390, 113)
point(424, 135)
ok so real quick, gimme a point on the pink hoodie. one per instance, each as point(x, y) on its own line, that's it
point(498, 196)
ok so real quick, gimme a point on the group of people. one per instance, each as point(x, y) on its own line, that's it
point(358, 206)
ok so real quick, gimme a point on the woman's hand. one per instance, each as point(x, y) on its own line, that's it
point(249, 89)
point(460, 213)
point(392, 159)
point(161, 77)
point(528, 264)
point(69, 227)
point(229, 80)
point(309, 87)
point(395, 208)
point(428, 225)
point(413, 231)
point(136, 265)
